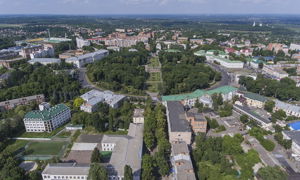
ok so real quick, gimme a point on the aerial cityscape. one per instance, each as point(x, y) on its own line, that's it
point(149, 90)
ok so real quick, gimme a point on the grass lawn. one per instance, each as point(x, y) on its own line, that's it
point(64, 134)
point(45, 148)
point(154, 62)
point(15, 145)
point(154, 77)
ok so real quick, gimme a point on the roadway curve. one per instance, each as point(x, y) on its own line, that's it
point(225, 81)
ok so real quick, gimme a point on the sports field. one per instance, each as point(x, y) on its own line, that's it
point(45, 148)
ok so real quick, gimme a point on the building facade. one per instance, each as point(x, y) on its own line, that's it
point(10, 104)
point(66, 171)
point(82, 60)
point(47, 119)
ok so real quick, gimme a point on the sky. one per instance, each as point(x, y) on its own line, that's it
point(98, 7)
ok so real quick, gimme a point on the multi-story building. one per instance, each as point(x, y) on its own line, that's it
point(45, 61)
point(295, 47)
point(138, 116)
point(178, 126)
point(47, 118)
point(82, 60)
point(82, 42)
point(202, 96)
point(46, 52)
point(255, 100)
point(181, 162)
point(126, 150)
point(295, 137)
point(66, 171)
point(10, 104)
point(94, 97)
point(196, 120)
point(289, 109)
point(274, 72)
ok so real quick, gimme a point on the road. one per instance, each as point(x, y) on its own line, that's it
point(225, 77)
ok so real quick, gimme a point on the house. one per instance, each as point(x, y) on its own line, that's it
point(178, 126)
point(66, 171)
point(138, 116)
point(46, 119)
point(289, 109)
point(94, 97)
point(255, 100)
point(181, 162)
point(295, 137)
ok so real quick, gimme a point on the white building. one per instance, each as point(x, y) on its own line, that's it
point(138, 116)
point(274, 72)
point(82, 42)
point(82, 60)
point(295, 47)
point(295, 137)
point(47, 119)
point(45, 61)
point(46, 52)
point(126, 150)
point(289, 109)
point(66, 171)
point(94, 97)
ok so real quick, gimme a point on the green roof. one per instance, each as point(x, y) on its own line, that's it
point(255, 97)
point(198, 93)
point(46, 114)
point(202, 53)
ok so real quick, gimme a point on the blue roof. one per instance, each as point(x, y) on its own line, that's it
point(295, 125)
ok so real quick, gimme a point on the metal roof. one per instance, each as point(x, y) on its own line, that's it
point(177, 118)
point(198, 93)
point(46, 114)
point(66, 169)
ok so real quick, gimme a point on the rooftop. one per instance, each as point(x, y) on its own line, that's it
point(287, 106)
point(251, 113)
point(255, 96)
point(88, 55)
point(198, 93)
point(138, 113)
point(46, 114)
point(94, 97)
point(177, 118)
point(66, 169)
point(44, 60)
point(294, 135)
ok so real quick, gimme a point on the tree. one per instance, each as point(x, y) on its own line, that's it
point(147, 167)
point(279, 115)
point(269, 106)
point(217, 100)
point(96, 156)
point(200, 106)
point(271, 173)
point(35, 175)
point(78, 102)
point(97, 172)
point(128, 173)
point(244, 118)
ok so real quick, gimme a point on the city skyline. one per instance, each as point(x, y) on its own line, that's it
point(90, 7)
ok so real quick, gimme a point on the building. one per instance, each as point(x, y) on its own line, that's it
point(126, 150)
point(178, 126)
point(26, 51)
point(275, 47)
point(94, 97)
point(222, 59)
point(138, 116)
point(203, 96)
point(274, 72)
point(72, 127)
point(289, 109)
point(197, 121)
point(264, 123)
point(80, 61)
point(47, 118)
point(295, 47)
point(255, 100)
point(10, 104)
point(46, 52)
point(8, 54)
point(295, 137)
point(45, 61)
point(181, 162)
point(66, 171)
point(81, 42)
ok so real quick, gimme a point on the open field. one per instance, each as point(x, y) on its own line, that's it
point(45, 148)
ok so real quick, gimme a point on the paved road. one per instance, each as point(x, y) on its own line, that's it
point(225, 77)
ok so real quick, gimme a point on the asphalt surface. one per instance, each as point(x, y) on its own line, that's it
point(225, 77)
